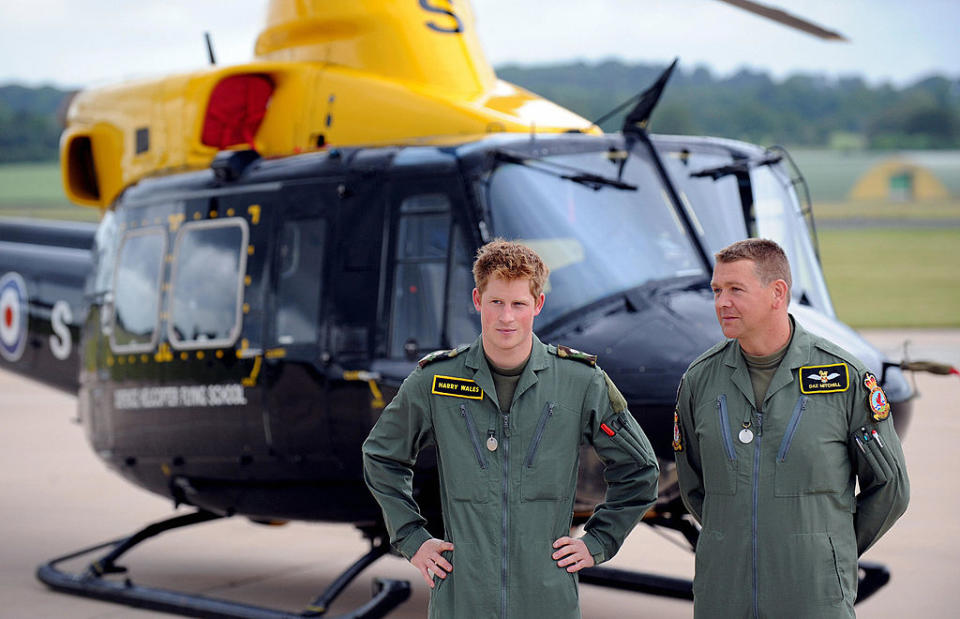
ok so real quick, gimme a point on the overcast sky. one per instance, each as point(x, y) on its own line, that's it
point(96, 42)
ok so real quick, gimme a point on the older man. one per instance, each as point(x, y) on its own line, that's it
point(773, 429)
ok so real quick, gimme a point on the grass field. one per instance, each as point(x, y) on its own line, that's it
point(881, 209)
point(901, 277)
point(31, 184)
point(878, 277)
point(34, 190)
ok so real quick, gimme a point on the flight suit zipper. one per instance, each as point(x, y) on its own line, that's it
point(755, 534)
point(792, 428)
point(506, 517)
point(538, 435)
point(725, 427)
point(472, 431)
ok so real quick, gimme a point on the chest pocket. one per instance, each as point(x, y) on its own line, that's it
point(812, 457)
point(551, 455)
point(463, 461)
point(717, 451)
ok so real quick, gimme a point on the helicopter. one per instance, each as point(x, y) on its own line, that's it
point(281, 241)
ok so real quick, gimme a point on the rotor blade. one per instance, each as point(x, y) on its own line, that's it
point(787, 19)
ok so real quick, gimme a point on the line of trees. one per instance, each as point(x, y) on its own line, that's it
point(801, 110)
point(29, 123)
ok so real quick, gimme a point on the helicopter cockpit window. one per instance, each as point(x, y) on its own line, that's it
point(423, 232)
point(299, 280)
point(206, 289)
point(713, 205)
point(717, 212)
point(137, 290)
point(779, 218)
point(596, 242)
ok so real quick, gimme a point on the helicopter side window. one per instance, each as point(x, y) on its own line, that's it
point(300, 280)
point(206, 289)
point(136, 287)
point(423, 232)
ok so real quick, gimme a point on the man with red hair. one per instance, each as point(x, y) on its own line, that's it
point(507, 415)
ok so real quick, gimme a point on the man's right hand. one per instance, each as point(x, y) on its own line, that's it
point(429, 560)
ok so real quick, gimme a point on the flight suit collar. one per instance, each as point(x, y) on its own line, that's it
point(476, 362)
point(733, 358)
point(538, 361)
point(798, 352)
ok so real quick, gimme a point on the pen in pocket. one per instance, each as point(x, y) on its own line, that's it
point(860, 444)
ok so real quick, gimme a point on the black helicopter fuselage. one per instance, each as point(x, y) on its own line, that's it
point(241, 328)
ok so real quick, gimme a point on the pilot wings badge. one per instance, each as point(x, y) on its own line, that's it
point(824, 378)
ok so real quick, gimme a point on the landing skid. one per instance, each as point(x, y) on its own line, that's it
point(873, 576)
point(387, 595)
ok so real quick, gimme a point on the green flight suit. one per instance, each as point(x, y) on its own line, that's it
point(782, 528)
point(504, 508)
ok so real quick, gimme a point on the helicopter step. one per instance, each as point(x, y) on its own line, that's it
point(387, 593)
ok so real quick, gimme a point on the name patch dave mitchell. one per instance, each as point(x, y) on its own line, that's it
point(824, 378)
point(457, 387)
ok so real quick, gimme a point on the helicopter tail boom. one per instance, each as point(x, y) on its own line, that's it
point(43, 268)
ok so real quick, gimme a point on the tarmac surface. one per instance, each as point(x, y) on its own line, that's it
point(58, 497)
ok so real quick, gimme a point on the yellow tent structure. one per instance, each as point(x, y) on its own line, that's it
point(898, 180)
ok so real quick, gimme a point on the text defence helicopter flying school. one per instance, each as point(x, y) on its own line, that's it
point(282, 240)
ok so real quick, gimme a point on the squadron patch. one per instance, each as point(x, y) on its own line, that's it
point(877, 400)
point(824, 378)
point(677, 437)
point(565, 352)
point(457, 387)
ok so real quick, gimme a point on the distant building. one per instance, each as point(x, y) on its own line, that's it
point(839, 175)
point(899, 179)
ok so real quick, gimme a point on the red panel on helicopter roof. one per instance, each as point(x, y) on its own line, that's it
point(236, 109)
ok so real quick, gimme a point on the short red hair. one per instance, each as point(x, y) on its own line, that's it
point(510, 261)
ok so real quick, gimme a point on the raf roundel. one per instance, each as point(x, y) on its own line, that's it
point(13, 316)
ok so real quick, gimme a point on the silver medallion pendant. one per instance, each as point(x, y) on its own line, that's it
point(746, 435)
point(492, 443)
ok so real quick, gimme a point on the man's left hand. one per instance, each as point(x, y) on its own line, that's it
point(572, 554)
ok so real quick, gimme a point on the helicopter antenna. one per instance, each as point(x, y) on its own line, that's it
point(639, 116)
point(646, 101)
point(206, 36)
point(635, 123)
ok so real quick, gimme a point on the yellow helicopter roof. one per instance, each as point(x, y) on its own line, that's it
point(326, 73)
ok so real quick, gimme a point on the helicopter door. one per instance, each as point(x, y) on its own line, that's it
point(296, 330)
point(430, 301)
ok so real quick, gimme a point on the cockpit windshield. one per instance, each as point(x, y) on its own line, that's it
point(714, 205)
point(597, 242)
